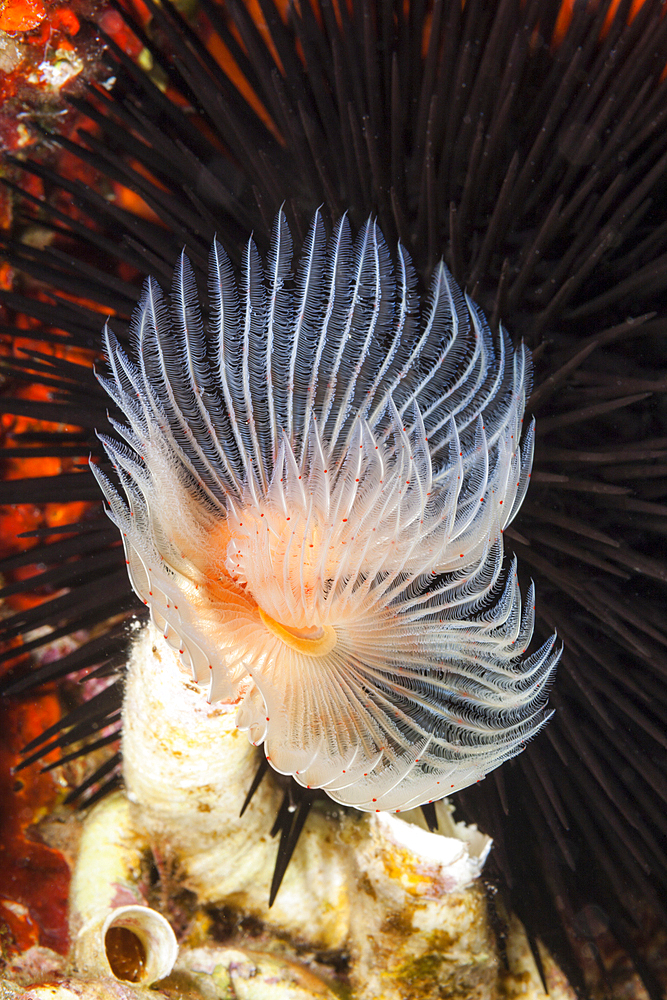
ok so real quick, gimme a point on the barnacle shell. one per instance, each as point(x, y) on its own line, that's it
point(316, 495)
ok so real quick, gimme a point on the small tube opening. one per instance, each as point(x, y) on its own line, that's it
point(126, 954)
point(139, 945)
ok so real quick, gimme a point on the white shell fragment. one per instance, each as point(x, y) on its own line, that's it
point(419, 916)
point(251, 975)
point(433, 865)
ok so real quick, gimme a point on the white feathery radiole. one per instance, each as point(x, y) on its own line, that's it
point(315, 496)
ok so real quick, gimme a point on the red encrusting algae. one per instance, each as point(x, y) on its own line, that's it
point(35, 878)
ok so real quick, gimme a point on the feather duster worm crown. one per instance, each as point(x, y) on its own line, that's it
point(316, 494)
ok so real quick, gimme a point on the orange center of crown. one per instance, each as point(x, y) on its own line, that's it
point(316, 640)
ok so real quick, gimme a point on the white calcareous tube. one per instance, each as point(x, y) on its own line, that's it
point(187, 772)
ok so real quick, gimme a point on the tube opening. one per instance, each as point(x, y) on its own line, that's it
point(139, 945)
point(126, 954)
